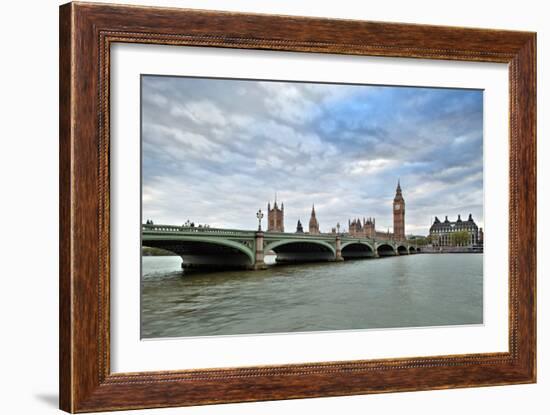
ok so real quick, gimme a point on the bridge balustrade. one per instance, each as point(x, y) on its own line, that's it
point(194, 229)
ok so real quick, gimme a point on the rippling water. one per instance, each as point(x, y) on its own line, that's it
point(403, 291)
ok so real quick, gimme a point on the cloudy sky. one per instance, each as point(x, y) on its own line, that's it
point(215, 151)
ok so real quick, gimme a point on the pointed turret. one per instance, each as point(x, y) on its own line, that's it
point(313, 223)
point(275, 217)
point(398, 192)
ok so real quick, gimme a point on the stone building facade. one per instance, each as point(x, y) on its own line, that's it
point(275, 217)
point(364, 228)
point(443, 233)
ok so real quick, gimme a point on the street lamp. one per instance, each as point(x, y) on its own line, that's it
point(259, 215)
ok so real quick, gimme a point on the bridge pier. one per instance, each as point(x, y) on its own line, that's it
point(401, 250)
point(339, 256)
point(259, 251)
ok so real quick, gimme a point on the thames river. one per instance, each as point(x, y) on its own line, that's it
point(402, 291)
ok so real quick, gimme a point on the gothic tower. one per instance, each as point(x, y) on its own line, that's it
point(275, 217)
point(313, 223)
point(398, 215)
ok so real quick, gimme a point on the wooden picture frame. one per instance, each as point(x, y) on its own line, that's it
point(86, 33)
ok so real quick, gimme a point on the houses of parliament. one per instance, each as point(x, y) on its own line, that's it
point(361, 228)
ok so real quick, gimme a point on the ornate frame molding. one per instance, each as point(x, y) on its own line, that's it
point(86, 33)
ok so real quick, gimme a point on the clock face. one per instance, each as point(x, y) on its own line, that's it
point(397, 207)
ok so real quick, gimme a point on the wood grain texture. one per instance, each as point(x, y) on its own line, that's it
point(86, 33)
point(65, 245)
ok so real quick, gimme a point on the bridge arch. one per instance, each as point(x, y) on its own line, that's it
point(294, 251)
point(357, 249)
point(402, 250)
point(385, 249)
point(365, 243)
point(273, 245)
point(412, 250)
point(184, 245)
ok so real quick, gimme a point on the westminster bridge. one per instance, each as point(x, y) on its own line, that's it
point(202, 247)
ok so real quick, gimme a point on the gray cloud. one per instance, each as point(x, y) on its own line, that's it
point(215, 151)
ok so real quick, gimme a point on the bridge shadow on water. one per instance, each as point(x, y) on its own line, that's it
point(272, 265)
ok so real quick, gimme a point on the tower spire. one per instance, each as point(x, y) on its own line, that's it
point(399, 214)
point(313, 223)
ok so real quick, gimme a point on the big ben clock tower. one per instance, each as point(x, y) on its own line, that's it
point(398, 215)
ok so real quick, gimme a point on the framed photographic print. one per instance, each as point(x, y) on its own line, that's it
point(259, 207)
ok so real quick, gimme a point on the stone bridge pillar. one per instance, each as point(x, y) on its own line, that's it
point(259, 251)
point(339, 256)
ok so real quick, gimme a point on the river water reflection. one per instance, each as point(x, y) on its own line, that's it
point(403, 291)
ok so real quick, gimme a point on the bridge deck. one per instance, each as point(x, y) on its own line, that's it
point(203, 246)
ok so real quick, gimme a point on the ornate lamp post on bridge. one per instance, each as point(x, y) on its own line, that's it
point(260, 216)
point(338, 244)
point(259, 244)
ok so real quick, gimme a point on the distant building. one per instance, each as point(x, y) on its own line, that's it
point(336, 229)
point(275, 217)
point(445, 233)
point(398, 215)
point(366, 228)
point(360, 228)
point(313, 223)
